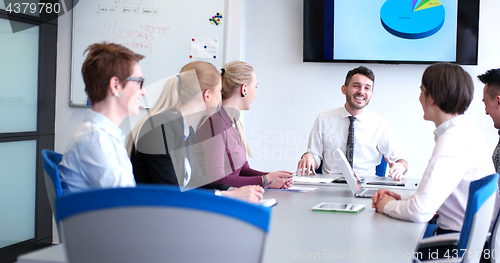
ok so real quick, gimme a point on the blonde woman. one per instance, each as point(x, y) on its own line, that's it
point(223, 155)
point(163, 146)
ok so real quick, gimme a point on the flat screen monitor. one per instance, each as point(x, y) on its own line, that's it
point(391, 31)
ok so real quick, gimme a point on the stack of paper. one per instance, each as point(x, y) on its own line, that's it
point(297, 189)
point(312, 180)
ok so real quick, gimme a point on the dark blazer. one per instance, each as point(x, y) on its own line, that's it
point(159, 154)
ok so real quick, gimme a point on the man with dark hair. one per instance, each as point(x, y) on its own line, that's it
point(491, 99)
point(363, 135)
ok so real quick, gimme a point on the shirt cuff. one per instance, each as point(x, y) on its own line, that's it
point(390, 206)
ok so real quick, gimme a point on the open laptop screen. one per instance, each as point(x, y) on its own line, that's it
point(347, 171)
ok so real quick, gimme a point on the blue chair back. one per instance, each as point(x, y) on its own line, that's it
point(478, 215)
point(160, 224)
point(379, 170)
point(50, 162)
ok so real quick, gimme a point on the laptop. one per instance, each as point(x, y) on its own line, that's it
point(350, 177)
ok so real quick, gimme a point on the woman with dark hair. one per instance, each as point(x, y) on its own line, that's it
point(460, 155)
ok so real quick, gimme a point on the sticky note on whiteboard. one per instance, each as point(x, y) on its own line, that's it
point(204, 48)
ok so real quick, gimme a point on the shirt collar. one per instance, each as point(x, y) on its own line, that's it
point(105, 124)
point(186, 127)
point(455, 121)
point(346, 114)
point(225, 117)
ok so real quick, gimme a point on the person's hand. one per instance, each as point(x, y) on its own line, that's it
point(249, 193)
point(397, 169)
point(306, 165)
point(381, 197)
point(281, 179)
point(288, 184)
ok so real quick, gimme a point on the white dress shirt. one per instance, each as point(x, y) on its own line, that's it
point(373, 137)
point(96, 157)
point(460, 156)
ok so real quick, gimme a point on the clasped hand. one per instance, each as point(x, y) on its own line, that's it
point(381, 197)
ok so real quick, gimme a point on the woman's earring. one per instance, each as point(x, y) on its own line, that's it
point(243, 94)
point(116, 95)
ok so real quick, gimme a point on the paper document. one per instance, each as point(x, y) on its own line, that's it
point(204, 48)
point(268, 202)
point(312, 180)
point(297, 189)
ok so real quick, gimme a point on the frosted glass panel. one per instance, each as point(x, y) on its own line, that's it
point(19, 77)
point(17, 191)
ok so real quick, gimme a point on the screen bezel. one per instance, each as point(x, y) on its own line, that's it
point(314, 34)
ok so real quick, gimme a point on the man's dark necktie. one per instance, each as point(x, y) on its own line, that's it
point(496, 158)
point(350, 141)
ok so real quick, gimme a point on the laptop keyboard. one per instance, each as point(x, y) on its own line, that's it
point(369, 191)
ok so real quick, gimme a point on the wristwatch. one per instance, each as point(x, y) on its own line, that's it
point(218, 192)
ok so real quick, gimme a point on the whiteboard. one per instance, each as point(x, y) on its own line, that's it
point(164, 31)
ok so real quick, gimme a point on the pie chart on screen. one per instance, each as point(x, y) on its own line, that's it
point(412, 19)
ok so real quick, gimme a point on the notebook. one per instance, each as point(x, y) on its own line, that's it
point(350, 177)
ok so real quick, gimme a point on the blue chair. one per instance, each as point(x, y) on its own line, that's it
point(494, 241)
point(50, 162)
point(160, 224)
point(477, 220)
point(379, 170)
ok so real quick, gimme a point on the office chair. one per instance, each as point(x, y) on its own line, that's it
point(379, 170)
point(477, 220)
point(50, 162)
point(160, 224)
point(494, 241)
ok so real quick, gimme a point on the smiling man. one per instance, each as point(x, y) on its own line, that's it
point(363, 135)
point(491, 99)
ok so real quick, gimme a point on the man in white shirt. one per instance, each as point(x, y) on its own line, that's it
point(371, 135)
point(491, 99)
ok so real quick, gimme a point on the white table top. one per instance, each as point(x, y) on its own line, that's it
point(297, 233)
point(52, 254)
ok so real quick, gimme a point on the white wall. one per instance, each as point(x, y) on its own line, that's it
point(292, 93)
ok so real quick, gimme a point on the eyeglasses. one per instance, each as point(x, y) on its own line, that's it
point(140, 80)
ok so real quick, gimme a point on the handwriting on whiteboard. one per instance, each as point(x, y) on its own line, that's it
point(141, 37)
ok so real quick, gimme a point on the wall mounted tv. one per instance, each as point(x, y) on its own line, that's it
point(391, 31)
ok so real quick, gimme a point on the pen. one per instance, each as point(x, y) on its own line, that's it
point(267, 185)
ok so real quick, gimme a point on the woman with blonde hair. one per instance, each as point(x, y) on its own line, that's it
point(222, 155)
point(162, 144)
